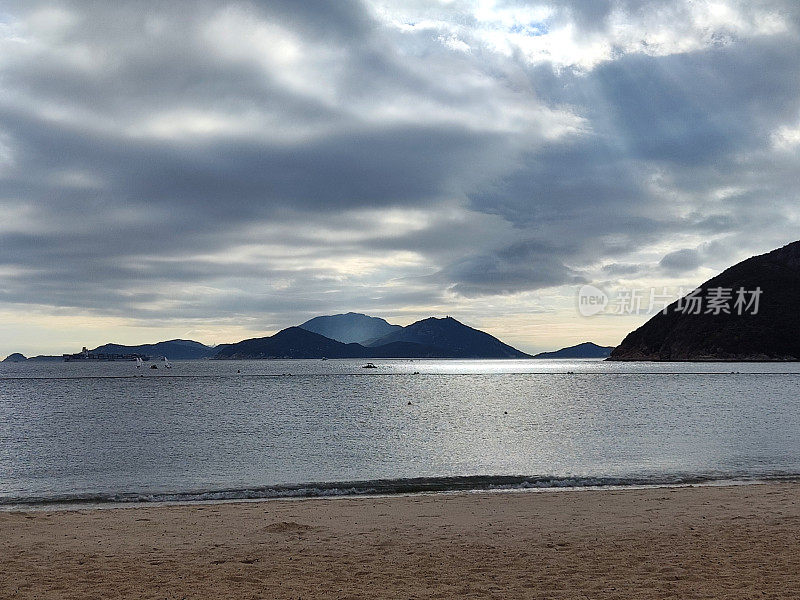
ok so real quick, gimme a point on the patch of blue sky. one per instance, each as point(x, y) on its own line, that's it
point(532, 29)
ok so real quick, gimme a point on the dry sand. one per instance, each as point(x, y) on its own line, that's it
point(704, 542)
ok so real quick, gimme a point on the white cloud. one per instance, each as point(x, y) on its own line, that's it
point(786, 137)
point(544, 33)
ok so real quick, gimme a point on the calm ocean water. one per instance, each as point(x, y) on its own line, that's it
point(107, 432)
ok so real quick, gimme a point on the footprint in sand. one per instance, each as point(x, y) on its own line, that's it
point(286, 527)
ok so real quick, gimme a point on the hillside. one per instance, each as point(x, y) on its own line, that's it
point(292, 342)
point(772, 333)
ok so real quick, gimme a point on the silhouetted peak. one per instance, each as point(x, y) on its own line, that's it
point(769, 332)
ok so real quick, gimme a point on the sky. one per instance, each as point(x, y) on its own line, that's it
point(217, 171)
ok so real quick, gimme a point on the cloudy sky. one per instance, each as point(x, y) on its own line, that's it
point(222, 170)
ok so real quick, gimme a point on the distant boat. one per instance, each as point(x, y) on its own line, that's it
point(167, 364)
point(139, 363)
point(369, 366)
point(153, 366)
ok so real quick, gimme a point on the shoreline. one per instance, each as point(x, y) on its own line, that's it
point(709, 541)
point(347, 489)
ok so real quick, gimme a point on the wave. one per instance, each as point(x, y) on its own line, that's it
point(382, 487)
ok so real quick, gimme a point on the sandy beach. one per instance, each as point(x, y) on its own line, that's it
point(701, 542)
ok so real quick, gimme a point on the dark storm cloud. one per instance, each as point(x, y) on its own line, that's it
point(701, 107)
point(251, 177)
point(182, 159)
point(342, 20)
point(679, 261)
point(512, 269)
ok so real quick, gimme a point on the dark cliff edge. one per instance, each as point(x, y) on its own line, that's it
point(771, 332)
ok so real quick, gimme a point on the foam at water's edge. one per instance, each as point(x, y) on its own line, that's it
point(386, 487)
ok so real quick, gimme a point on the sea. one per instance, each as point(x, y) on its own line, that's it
point(109, 433)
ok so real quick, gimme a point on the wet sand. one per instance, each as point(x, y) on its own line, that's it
point(702, 542)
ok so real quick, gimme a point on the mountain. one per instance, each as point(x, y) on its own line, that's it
point(15, 357)
point(453, 338)
point(430, 338)
point(768, 327)
point(292, 342)
point(584, 350)
point(349, 327)
point(172, 349)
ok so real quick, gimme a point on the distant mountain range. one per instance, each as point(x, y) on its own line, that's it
point(701, 332)
point(584, 350)
point(17, 357)
point(350, 327)
point(429, 338)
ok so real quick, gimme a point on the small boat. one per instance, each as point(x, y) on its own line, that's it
point(153, 366)
point(369, 366)
point(167, 364)
point(139, 363)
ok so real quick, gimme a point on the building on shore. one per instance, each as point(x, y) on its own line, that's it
point(86, 355)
